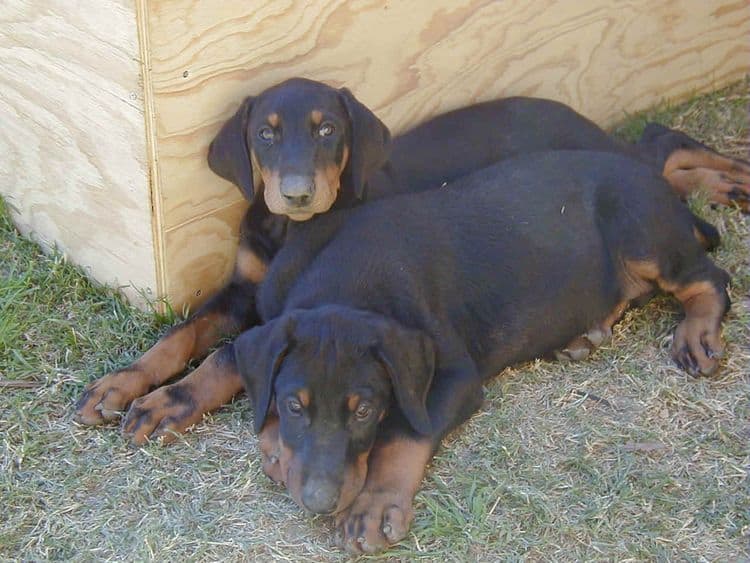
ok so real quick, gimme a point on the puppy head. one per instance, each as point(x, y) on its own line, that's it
point(301, 142)
point(331, 375)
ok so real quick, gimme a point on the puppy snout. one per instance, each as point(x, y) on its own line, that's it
point(297, 191)
point(320, 496)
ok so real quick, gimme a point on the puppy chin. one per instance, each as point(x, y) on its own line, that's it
point(299, 215)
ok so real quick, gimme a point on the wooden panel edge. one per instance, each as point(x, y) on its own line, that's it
point(154, 178)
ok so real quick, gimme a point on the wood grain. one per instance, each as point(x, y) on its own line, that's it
point(409, 60)
point(73, 162)
point(80, 145)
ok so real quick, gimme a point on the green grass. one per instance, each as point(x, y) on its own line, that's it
point(657, 470)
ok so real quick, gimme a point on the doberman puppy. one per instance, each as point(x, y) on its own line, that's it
point(301, 148)
point(383, 321)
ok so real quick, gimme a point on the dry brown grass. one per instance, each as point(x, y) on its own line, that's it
point(622, 457)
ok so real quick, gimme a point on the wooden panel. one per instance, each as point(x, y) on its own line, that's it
point(73, 161)
point(408, 60)
point(213, 237)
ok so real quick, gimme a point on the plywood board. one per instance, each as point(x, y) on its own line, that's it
point(407, 60)
point(72, 144)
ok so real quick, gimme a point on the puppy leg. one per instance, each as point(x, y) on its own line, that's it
point(701, 288)
point(690, 166)
point(725, 180)
point(697, 345)
point(171, 410)
point(227, 313)
point(583, 346)
point(383, 511)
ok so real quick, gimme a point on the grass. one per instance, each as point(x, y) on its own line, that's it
point(622, 457)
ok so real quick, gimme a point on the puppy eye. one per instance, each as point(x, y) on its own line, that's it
point(266, 133)
point(294, 406)
point(363, 411)
point(326, 129)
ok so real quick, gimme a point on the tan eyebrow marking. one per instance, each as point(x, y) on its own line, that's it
point(273, 119)
point(352, 402)
point(304, 397)
point(316, 116)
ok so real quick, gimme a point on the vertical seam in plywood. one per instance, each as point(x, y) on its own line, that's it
point(157, 219)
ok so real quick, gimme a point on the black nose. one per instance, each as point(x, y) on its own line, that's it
point(297, 200)
point(320, 496)
point(297, 190)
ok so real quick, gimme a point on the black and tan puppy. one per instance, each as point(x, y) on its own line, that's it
point(384, 321)
point(301, 148)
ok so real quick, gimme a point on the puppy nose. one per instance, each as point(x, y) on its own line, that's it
point(320, 496)
point(297, 200)
point(297, 191)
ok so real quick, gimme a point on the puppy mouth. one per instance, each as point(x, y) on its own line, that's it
point(299, 214)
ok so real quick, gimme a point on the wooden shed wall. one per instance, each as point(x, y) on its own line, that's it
point(407, 60)
point(108, 106)
point(72, 144)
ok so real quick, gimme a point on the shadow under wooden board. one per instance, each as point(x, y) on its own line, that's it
point(407, 60)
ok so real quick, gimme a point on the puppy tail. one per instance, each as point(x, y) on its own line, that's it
point(706, 234)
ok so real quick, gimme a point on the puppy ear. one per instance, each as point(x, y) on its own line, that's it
point(229, 154)
point(409, 359)
point(259, 353)
point(370, 144)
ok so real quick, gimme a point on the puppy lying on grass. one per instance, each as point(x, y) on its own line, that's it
point(383, 321)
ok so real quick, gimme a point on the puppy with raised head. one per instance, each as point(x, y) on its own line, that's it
point(383, 321)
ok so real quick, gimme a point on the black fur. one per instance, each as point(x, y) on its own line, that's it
point(500, 267)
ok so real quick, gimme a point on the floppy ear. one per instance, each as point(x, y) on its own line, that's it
point(409, 359)
point(259, 353)
point(229, 155)
point(370, 143)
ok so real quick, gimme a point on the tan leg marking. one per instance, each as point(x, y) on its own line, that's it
point(582, 346)
point(107, 398)
point(697, 345)
point(382, 513)
point(724, 179)
point(174, 408)
point(249, 266)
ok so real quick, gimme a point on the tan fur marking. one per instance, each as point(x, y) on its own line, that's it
point(159, 415)
point(697, 339)
point(273, 119)
point(382, 513)
point(638, 277)
point(257, 176)
point(290, 470)
point(107, 397)
point(304, 397)
point(615, 316)
point(703, 241)
point(399, 464)
point(692, 290)
point(269, 444)
point(327, 185)
point(353, 402)
point(249, 266)
point(698, 158)
point(696, 170)
point(170, 354)
point(316, 116)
